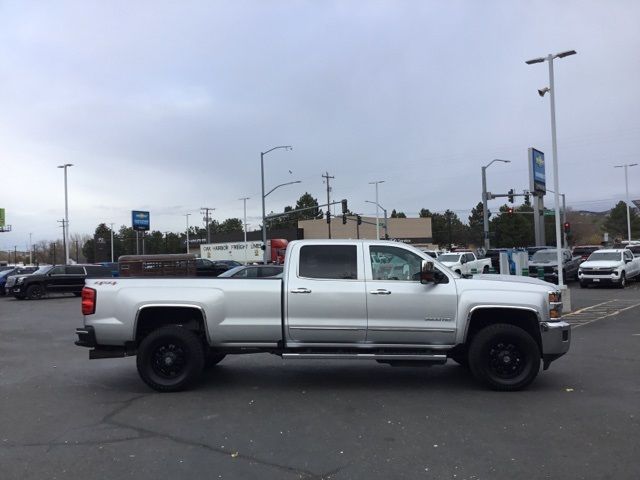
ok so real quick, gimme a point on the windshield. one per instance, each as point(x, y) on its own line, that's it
point(545, 256)
point(4, 273)
point(607, 256)
point(449, 257)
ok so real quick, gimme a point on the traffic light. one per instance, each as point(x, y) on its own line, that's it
point(567, 227)
point(328, 217)
point(359, 219)
point(344, 207)
point(527, 200)
point(344, 218)
point(510, 196)
point(510, 210)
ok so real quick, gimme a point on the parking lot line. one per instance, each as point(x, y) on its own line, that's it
point(599, 311)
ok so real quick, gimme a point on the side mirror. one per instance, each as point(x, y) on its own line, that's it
point(427, 272)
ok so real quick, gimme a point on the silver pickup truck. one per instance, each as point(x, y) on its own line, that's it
point(352, 299)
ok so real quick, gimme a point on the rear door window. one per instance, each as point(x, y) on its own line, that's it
point(339, 262)
point(74, 270)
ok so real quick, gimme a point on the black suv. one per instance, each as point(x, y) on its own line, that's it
point(55, 279)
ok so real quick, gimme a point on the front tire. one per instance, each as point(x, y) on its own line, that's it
point(170, 359)
point(623, 280)
point(504, 357)
point(35, 292)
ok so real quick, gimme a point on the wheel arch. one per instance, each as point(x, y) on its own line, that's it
point(523, 317)
point(154, 316)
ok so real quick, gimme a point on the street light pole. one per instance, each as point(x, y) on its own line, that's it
point(66, 214)
point(554, 147)
point(31, 249)
point(244, 226)
point(111, 224)
point(626, 185)
point(264, 223)
point(485, 207)
point(187, 217)
point(386, 229)
point(377, 208)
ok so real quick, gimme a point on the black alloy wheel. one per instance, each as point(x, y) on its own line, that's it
point(170, 359)
point(504, 357)
point(35, 292)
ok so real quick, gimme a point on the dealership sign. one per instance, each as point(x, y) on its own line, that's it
point(140, 220)
point(537, 177)
point(1, 217)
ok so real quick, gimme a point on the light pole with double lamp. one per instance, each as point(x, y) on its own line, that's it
point(554, 148)
point(485, 208)
point(264, 223)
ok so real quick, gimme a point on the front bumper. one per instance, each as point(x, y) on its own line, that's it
point(556, 339)
point(599, 279)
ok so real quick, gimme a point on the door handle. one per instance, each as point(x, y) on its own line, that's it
point(300, 290)
point(380, 291)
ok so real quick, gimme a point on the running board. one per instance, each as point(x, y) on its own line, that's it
point(365, 356)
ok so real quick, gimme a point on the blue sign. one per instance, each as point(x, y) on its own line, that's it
point(537, 172)
point(140, 220)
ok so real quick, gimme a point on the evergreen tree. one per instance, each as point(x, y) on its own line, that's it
point(616, 223)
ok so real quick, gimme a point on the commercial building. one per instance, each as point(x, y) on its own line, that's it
point(414, 231)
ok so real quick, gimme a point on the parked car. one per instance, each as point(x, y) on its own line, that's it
point(55, 279)
point(583, 251)
point(431, 253)
point(208, 268)
point(252, 271)
point(609, 267)
point(547, 260)
point(5, 274)
point(464, 263)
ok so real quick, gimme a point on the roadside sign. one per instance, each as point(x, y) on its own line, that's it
point(140, 220)
point(537, 177)
point(549, 213)
point(1, 217)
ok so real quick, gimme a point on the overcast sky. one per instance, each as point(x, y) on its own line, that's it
point(166, 106)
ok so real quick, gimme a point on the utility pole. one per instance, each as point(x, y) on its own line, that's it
point(205, 210)
point(328, 178)
point(30, 250)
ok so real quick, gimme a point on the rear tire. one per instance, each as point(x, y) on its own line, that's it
point(485, 269)
point(504, 357)
point(170, 359)
point(35, 292)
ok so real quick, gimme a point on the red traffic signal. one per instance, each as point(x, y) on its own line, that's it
point(510, 210)
point(567, 227)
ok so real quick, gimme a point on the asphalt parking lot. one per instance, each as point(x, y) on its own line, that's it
point(257, 416)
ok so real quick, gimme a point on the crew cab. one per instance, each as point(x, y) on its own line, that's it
point(337, 299)
point(54, 279)
point(544, 263)
point(464, 263)
point(609, 267)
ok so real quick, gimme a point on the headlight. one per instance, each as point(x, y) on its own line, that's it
point(555, 305)
point(555, 269)
point(19, 280)
point(579, 271)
